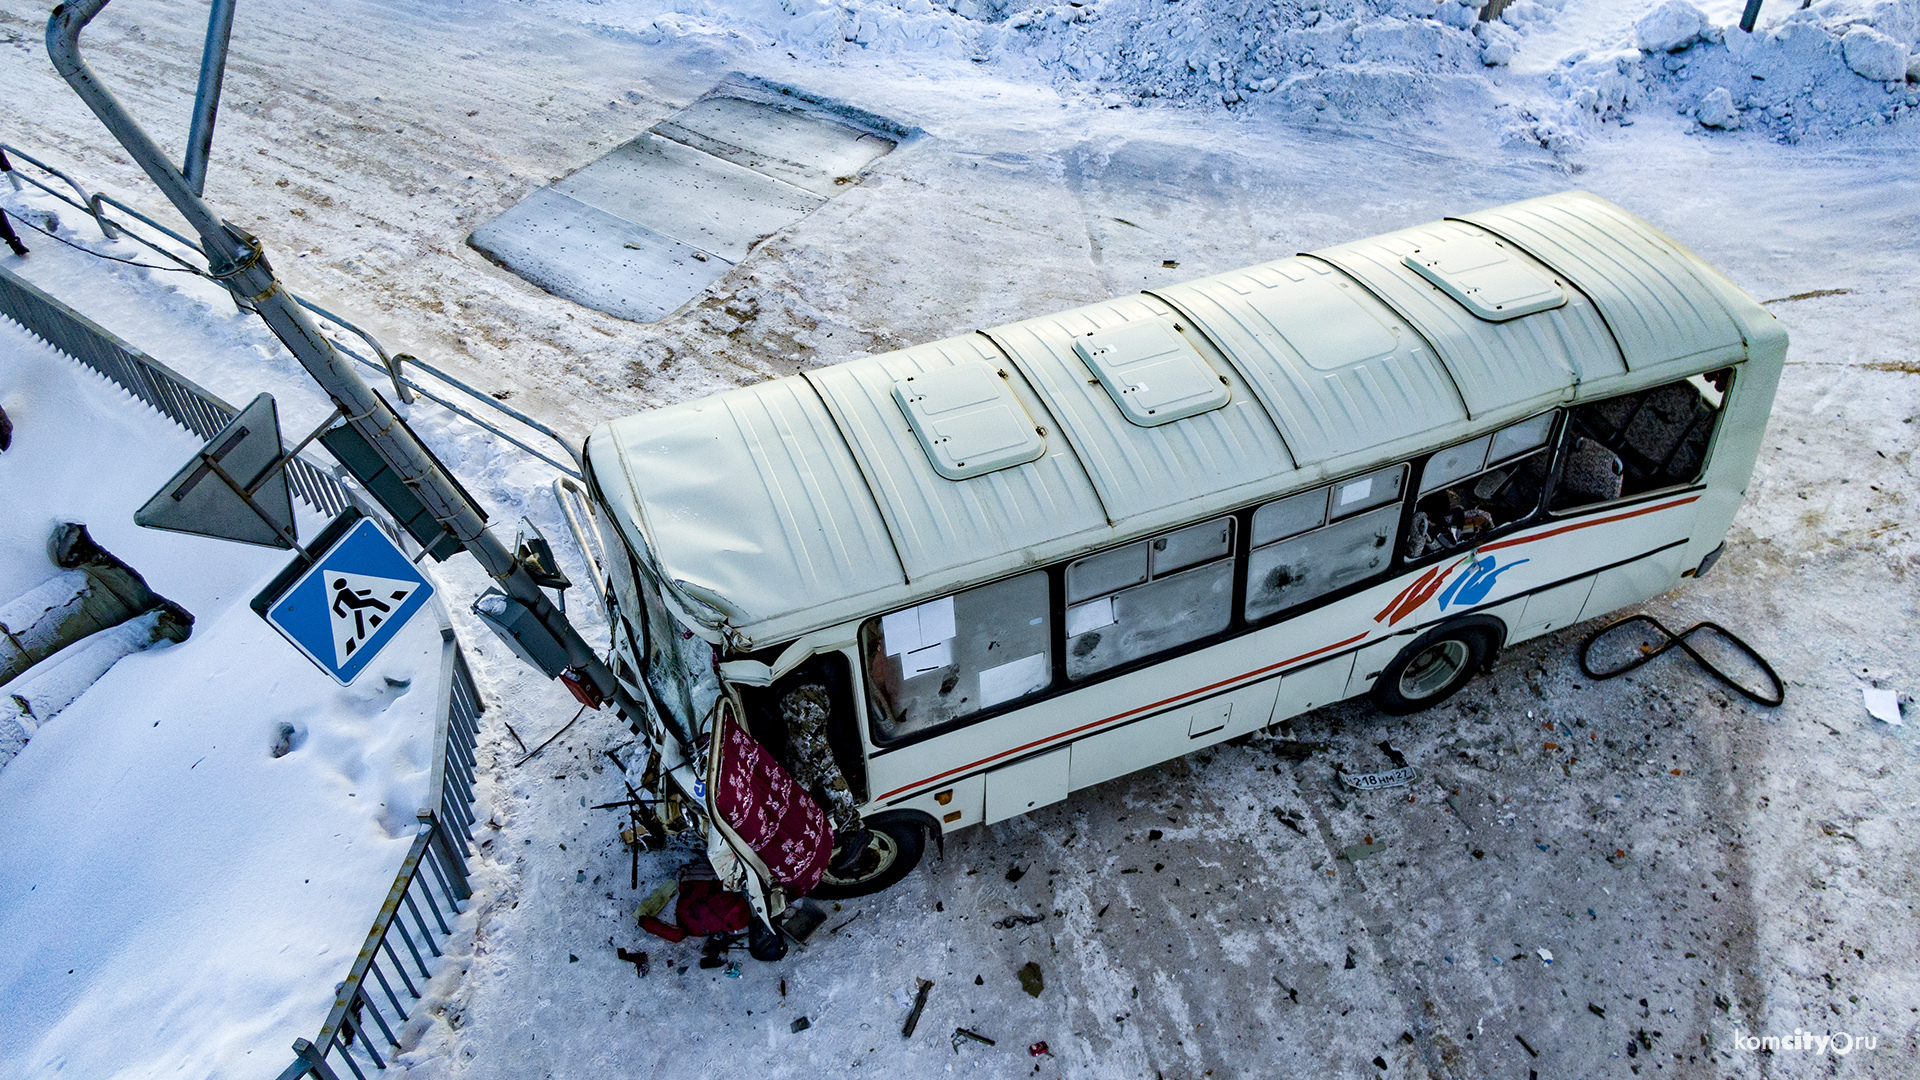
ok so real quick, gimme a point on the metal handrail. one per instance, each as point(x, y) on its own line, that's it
point(391, 365)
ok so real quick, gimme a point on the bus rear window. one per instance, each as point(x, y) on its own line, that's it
point(1642, 442)
point(945, 660)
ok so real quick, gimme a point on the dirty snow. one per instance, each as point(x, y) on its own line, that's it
point(1742, 871)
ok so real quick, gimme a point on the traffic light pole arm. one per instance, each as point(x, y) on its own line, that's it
point(238, 262)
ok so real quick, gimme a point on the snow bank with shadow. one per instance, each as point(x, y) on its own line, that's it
point(1826, 69)
point(195, 847)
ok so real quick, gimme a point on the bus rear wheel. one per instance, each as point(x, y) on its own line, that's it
point(893, 849)
point(1430, 670)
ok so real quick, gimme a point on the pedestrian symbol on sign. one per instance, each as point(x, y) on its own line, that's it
point(345, 599)
point(360, 604)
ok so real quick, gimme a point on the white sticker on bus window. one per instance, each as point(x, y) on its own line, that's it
point(918, 627)
point(922, 661)
point(1016, 679)
point(1354, 492)
point(1089, 616)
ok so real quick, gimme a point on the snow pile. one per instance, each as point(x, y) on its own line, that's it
point(1831, 66)
point(1336, 58)
point(1835, 65)
point(197, 844)
point(1357, 58)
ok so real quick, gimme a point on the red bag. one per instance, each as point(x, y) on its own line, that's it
point(705, 908)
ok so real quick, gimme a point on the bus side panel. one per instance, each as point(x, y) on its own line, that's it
point(1551, 609)
point(1639, 580)
point(955, 806)
point(1121, 750)
point(1309, 688)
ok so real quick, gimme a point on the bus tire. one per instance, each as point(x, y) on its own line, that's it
point(1438, 663)
point(895, 844)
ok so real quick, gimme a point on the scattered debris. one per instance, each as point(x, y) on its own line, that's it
point(1399, 759)
point(1295, 750)
point(1031, 980)
point(641, 964)
point(1291, 819)
point(1527, 1046)
point(1356, 852)
point(657, 900)
point(1882, 705)
point(919, 1005)
point(1015, 873)
point(967, 1033)
point(1378, 780)
point(1814, 294)
point(550, 738)
point(517, 739)
point(1039, 1049)
point(846, 924)
point(802, 918)
point(1545, 955)
point(1012, 921)
point(799, 1025)
point(1596, 1010)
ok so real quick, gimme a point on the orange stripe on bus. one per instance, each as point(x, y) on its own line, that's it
point(1121, 716)
point(1586, 524)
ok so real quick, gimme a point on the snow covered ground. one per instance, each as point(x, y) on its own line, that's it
point(195, 848)
point(1767, 886)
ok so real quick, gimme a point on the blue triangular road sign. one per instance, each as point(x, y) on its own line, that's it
point(345, 608)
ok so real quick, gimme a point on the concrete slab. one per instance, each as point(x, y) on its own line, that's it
point(592, 257)
point(690, 195)
point(806, 151)
point(651, 224)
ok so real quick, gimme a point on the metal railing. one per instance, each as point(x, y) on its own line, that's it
point(170, 393)
point(393, 966)
point(380, 991)
point(392, 366)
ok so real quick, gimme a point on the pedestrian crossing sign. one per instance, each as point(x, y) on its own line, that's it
point(342, 610)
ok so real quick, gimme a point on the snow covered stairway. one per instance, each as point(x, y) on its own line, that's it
point(644, 229)
point(59, 638)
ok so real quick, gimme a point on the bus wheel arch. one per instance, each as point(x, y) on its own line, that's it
point(1437, 664)
point(898, 838)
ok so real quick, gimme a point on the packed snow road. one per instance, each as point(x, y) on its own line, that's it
point(1586, 879)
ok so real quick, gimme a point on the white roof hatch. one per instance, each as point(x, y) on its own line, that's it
point(1485, 277)
point(968, 420)
point(1153, 373)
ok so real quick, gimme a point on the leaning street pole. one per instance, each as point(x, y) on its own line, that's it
point(238, 262)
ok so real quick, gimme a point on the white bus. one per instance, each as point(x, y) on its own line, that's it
point(954, 583)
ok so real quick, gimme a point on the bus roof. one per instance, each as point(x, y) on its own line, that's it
point(805, 501)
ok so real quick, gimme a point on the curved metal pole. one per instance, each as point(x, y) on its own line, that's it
point(238, 262)
point(206, 100)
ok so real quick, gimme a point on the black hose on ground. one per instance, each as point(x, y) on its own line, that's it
point(1669, 639)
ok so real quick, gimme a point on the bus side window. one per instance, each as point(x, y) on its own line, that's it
point(1463, 500)
point(1147, 597)
point(1640, 442)
point(1297, 556)
point(947, 659)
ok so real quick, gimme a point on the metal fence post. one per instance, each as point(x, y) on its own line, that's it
point(456, 866)
point(314, 1060)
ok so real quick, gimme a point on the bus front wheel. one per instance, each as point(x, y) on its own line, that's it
point(893, 849)
point(1428, 671)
